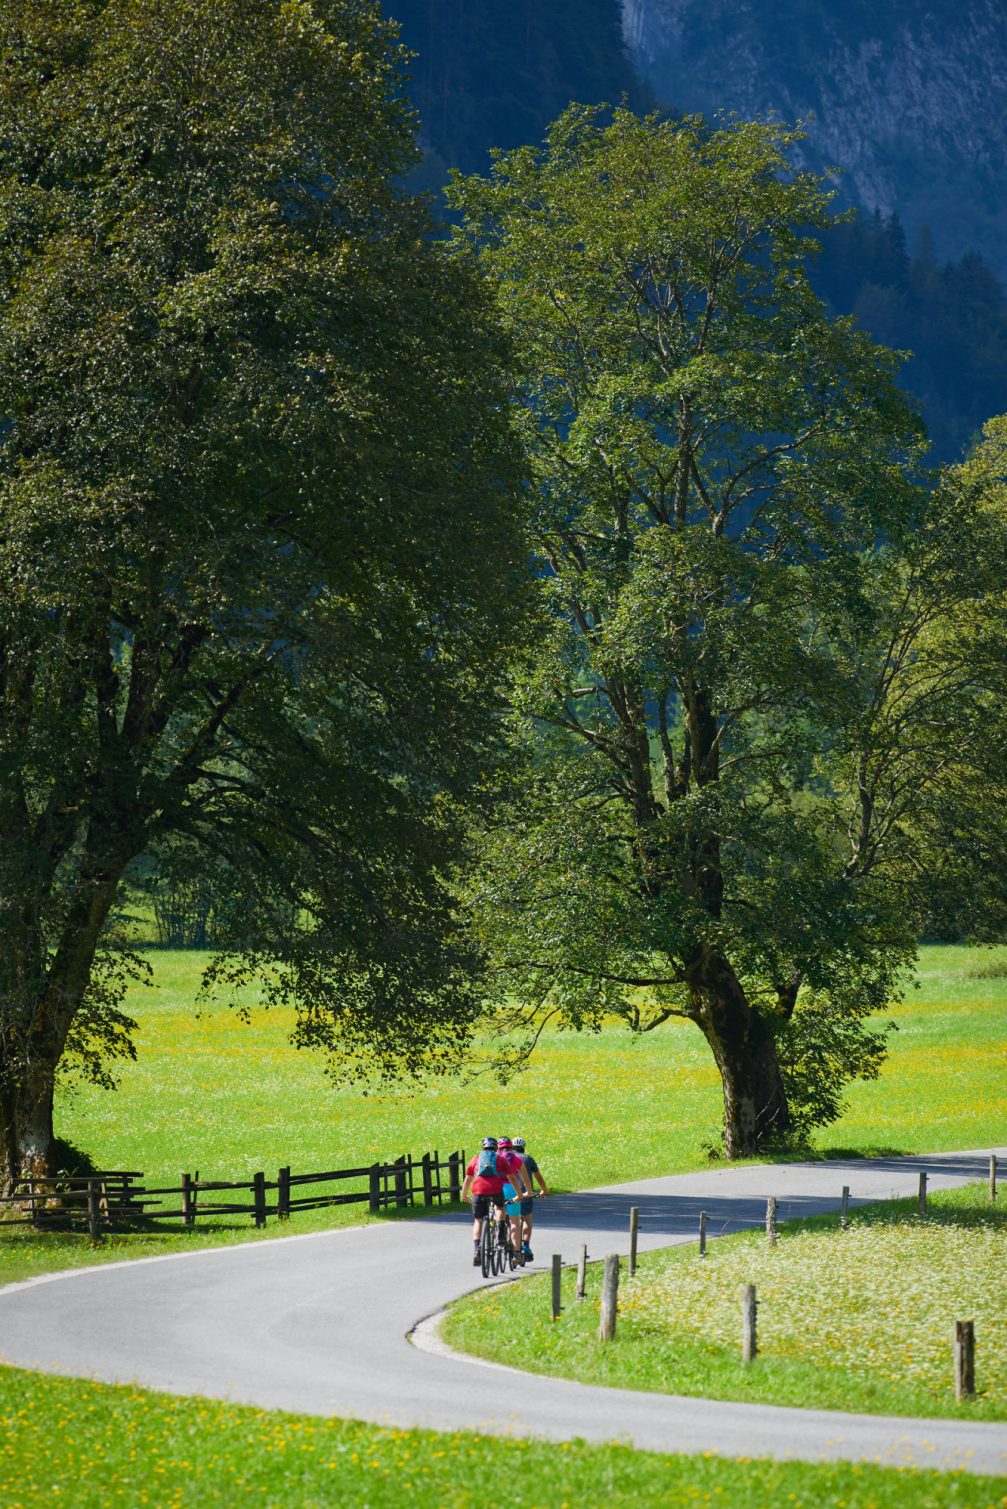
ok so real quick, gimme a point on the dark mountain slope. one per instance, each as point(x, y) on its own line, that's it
point(494, 74)
point(909, 96)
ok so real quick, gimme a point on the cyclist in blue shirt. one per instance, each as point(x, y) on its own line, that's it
point(527, 1207)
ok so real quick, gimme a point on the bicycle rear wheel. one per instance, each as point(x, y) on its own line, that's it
point(486, 1248)
point(499, 1250)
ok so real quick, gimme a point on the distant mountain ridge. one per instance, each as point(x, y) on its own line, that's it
point(909, 97)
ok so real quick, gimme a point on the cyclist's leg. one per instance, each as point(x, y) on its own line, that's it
point(480, 1206)
point(513, 1212)
point(515, 1231)
point(527, 1209)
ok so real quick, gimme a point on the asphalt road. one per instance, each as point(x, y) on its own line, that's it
point(339, 1323)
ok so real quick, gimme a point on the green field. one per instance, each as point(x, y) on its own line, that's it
point(85, 1445)
point(226, 1097)
point(857, 1320)
point(215, 1093)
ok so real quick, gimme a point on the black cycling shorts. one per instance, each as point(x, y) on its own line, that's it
point(481, 1205)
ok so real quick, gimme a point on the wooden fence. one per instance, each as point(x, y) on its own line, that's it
point(116, 1198)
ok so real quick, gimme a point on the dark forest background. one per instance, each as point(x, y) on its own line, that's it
point(488, 74)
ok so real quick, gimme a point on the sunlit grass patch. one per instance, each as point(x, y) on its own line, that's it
point(213, 1093)
point(90, 1446)
point(859, 1319)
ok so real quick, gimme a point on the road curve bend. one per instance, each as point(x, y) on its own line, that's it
point(329, 1323)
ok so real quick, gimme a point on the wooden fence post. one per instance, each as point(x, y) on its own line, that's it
point(702, 1233)
point(993, 1177)
point(582, 1271)
point(401, 1186)
point(93, 1211)
point(771, 1221)
point(428, 1183)
point(557, 1279)
point(259, 1197)
point(187, 1216)
point(923, 1192)
point(609, 1298)
point(374, 1188)
point(965, 1360)
point(634, 1226)
point(749, 1343)
point(844, 1206)
point(455, 1163)
point(283, 1194)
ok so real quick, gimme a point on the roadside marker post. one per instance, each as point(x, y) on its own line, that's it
point(965, 1360)
point(582, 1272)
point(557, 1276)
point(749, 1342)
point(609, 1298)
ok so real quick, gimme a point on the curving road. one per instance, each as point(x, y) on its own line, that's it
point(329, 1323)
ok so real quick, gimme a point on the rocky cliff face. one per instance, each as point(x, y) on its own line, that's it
point(909, 97)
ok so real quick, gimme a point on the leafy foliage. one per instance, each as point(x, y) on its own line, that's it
point(741, 581)
point(259, 546)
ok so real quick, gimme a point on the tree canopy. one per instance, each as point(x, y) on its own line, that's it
point(260, 540)
point(741, 581)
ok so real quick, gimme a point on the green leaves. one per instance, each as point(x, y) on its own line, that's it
point(716, 462)
point(261, 541)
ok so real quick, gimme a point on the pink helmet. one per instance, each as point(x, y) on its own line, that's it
point(504, 1142)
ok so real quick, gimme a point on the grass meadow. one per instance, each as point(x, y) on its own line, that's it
point(89, 1446)
point(224, 1096)
point(229, 1097)
point(858, 1320)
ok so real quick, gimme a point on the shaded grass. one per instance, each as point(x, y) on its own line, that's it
point(858, 1320)
point(90, 1445)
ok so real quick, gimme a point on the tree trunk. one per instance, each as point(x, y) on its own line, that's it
point(26, 1132)
point(743, 1044)
point(38, 1011)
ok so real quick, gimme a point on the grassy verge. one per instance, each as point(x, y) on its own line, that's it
point(215, 1093)
point(858, 1319)
point(64, 1441)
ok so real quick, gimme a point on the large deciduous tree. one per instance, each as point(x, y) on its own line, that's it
point(740, 581)
point(257, 517)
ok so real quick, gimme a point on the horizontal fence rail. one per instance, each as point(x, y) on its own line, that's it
point(117, 1198)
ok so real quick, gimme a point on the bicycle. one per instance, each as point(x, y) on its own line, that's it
point(494, 1244)
point(496, 1251)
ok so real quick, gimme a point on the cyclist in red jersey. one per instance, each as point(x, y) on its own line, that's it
point(485, 1177)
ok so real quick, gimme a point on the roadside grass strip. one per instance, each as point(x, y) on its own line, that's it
point(859, 1320)
point(88, 1445)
